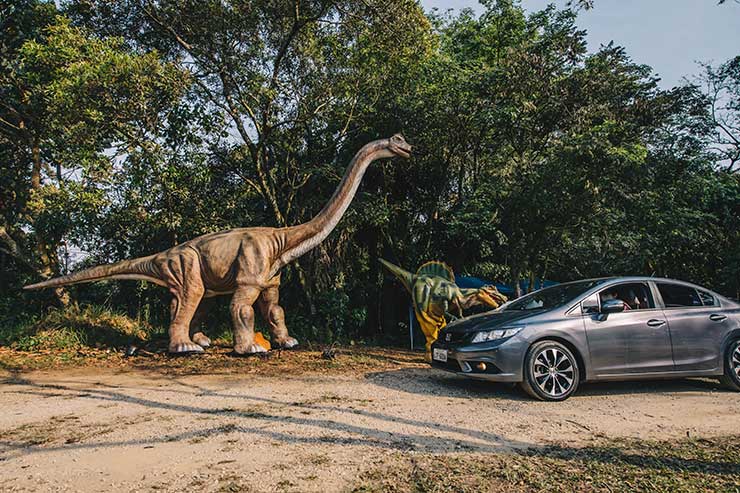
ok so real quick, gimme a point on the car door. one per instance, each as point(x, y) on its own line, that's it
point(697, 324)
point(636, 340)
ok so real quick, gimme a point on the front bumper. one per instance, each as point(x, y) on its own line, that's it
point(503, 360)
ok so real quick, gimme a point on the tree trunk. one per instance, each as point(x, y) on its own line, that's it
point(305, 286)
point(372, 323)
point(515, 281)
point(45, 253)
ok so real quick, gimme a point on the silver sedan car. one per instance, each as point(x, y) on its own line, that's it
point(595, 330)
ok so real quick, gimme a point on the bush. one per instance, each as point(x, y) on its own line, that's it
point(335, 319)
point(75, 327)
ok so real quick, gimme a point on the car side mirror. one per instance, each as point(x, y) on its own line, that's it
point(612, 306)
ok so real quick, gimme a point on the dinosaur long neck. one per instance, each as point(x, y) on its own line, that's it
point(304, 237)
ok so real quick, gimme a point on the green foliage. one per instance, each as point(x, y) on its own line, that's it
point(132, 126)
point(74, 107)
point(336, 319)
point(72, 328)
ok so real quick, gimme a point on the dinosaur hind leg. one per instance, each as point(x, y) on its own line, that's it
point(242, 316)
point(196, 335)
point(274, 314)
point(183, 278)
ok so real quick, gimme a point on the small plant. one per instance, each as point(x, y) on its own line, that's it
point(330, 352)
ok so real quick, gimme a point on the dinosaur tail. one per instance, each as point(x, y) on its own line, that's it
point(139, 268)
point(404, 276)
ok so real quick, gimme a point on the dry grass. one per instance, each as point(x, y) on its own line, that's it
point(217, 360)
point(74, 328)
point(700, 465)
point(94, 336)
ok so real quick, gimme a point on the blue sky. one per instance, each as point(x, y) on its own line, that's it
point(669, 35)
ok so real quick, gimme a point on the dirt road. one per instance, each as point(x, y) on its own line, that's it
point(107, 430)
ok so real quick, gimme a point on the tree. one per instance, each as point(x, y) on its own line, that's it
point(71, 103)
point(291, 81)
point(722, 87)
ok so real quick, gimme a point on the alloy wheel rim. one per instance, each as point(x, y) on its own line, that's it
point(554, 372)
point(736, 361)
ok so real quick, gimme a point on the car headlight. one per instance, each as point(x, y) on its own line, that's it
point(492, 335)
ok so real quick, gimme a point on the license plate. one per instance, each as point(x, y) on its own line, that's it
point(440, 355)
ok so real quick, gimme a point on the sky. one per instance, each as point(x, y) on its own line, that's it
point(669, 35)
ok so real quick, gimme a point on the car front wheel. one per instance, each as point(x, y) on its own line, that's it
point(731, 378)
point(550, 371)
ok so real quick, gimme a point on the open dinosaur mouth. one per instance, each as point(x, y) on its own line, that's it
point(489, 300)
point(405, 153)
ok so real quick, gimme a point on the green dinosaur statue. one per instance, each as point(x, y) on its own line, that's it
point(433, 292)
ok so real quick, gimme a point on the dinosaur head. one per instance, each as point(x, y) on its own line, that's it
point(486, 295)
point(397, 146)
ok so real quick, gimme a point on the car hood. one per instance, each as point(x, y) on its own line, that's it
point(488, 321)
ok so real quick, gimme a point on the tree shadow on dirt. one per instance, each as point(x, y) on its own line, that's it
point(431, 382)
point(427, 438)
point(266, 422)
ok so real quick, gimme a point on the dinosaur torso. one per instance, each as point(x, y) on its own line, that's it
point(230, 258)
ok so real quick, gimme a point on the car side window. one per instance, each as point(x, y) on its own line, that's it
point(635, 295)
point(706, 298)
point(676, 295)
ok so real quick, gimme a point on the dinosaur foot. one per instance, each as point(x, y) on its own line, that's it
point(249, 350)
point(201, 340)
point(287, 343)
point(183, 348)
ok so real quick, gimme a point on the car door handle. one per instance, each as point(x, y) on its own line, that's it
point(717, 317)
point(655, 322)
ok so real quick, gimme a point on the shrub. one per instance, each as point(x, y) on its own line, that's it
point(75, 327)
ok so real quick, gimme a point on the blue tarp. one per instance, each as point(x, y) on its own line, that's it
point(505, 289)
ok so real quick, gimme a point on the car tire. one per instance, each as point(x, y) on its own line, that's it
point(550, 371)
point(731, 378)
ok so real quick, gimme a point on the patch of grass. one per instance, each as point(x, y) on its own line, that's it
point(73, 328)
point(318, 459)
point(65, 429)
point(610, 465)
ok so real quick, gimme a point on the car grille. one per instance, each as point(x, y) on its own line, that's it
point(452, 337)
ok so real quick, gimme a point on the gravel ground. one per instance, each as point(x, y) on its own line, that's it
point(104, 429)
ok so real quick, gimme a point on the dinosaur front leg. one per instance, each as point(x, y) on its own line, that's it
point(274, 314)
point(242, 316)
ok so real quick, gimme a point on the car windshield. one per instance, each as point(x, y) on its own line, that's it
point(552, 297)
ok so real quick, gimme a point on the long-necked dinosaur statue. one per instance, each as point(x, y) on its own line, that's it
point(433, 292)
point(242, 261)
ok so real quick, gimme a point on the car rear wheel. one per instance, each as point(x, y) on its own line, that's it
point(731, 378)
point(550, 371)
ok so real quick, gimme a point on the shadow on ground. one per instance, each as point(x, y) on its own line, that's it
point(262, 421)
point(430, 382)
point(267, 417)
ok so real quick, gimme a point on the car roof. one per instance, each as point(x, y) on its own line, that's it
point(612, 279)
point(607, 281)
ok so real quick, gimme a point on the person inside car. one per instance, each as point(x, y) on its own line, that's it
point(614, 295)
